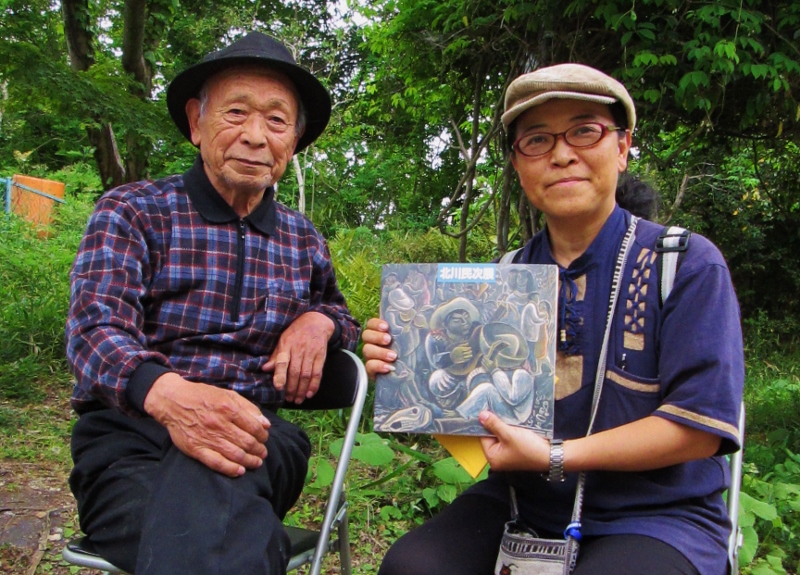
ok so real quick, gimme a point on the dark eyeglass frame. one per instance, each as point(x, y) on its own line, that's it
point(604, 129)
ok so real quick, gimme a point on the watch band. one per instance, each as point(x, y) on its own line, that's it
point(556, 461)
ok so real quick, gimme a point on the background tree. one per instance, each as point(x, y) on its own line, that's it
point(417, 85)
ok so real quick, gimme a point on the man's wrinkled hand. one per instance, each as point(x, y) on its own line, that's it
point(296, 363)
point(218, 427)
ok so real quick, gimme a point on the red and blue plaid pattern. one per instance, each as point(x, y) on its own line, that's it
point(169, 278)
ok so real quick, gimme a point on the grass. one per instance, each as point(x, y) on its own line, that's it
point(395, 482)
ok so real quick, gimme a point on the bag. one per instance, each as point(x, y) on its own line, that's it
point(523, 553)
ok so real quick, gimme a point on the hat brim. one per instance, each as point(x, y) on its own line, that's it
point(516, 111)
point(315, 98)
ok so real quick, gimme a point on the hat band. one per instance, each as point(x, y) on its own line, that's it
point(522, 105)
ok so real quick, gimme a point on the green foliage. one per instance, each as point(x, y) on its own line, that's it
point(34, 278)
point(769, 520)
point(771, 484)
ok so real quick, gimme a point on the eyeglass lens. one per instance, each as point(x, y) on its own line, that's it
point(579, 136)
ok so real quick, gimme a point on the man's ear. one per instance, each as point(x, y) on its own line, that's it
point(193, 115)
point(297, 139)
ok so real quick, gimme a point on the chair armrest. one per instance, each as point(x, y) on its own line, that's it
point(338, 388)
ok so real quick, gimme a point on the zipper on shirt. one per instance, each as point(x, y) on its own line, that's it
point(237, 289)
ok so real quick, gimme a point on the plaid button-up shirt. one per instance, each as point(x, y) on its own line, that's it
point(168, 278)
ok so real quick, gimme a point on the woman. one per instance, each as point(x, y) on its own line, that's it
point(673, 379)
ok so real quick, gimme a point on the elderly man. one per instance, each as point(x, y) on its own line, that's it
point(199, 304)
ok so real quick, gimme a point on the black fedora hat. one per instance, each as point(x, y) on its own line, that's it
point(255, 48)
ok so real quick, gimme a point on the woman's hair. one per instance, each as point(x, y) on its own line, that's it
point(637, 196)
point(619, 114)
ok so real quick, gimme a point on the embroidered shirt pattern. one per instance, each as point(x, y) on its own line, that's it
point(635, 300)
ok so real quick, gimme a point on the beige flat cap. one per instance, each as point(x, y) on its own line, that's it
point(567, 81)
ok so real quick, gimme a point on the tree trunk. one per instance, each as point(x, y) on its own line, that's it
point(80, 45)
point(474, 151)
point(4, 95)
point(301, 184)
point(106, 156)
point(134, 63)
point(504, 211)
point(462, 240)
point(526, 218)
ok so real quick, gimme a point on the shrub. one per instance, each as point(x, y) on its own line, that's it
point(34, 280)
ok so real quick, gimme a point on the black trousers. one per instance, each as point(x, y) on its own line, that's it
point(465, 537)
point(149, 509)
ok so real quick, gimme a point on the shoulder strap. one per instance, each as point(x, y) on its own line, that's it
point(670, 244)
point(508, 257)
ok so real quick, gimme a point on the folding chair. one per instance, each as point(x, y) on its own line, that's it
point(736, 537)
point(344, 384)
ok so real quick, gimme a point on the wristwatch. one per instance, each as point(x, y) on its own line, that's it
point(556, 460)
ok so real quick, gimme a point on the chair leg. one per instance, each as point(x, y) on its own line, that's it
point(344, 544)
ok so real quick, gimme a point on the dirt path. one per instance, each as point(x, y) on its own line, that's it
point(37, 514)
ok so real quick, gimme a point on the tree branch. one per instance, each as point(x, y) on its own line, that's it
point(461, 146)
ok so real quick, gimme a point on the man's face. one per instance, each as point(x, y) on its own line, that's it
point(246, 130)
point(519, 280)
point(576, 185)
point(458, 323)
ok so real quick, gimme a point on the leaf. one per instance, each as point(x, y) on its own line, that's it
point(652, 95)
point(760, 509)
point(446, 493)
point(388, 512)
point(626, 37)
point(325, 473)
point(370, 448)
point(430, 496)
point(648, 34)
point(749, 545)
point(770, 565)
point(450, 472)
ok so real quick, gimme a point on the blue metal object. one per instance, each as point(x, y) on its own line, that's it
point(8, 196)
point(573, 530)
point(7, 199)
point(37, 192)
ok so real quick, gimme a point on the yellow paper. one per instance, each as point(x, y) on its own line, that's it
point(466, 449)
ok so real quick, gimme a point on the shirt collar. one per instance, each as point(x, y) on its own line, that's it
point(612, 232)
point(214, 209)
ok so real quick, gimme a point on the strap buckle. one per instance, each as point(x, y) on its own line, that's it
point(673, 239)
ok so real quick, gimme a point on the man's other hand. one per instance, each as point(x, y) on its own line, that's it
point(296, 363)
point(218, 427)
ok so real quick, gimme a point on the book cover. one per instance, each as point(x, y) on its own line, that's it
point(468, 337)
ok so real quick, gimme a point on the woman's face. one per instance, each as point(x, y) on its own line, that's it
point(572, 185)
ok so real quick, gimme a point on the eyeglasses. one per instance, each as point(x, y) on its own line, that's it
point(580, 136)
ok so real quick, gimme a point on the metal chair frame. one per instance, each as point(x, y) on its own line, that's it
point(736, 538)
point(344, 385)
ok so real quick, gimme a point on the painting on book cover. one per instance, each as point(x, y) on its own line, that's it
point(468, 337)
